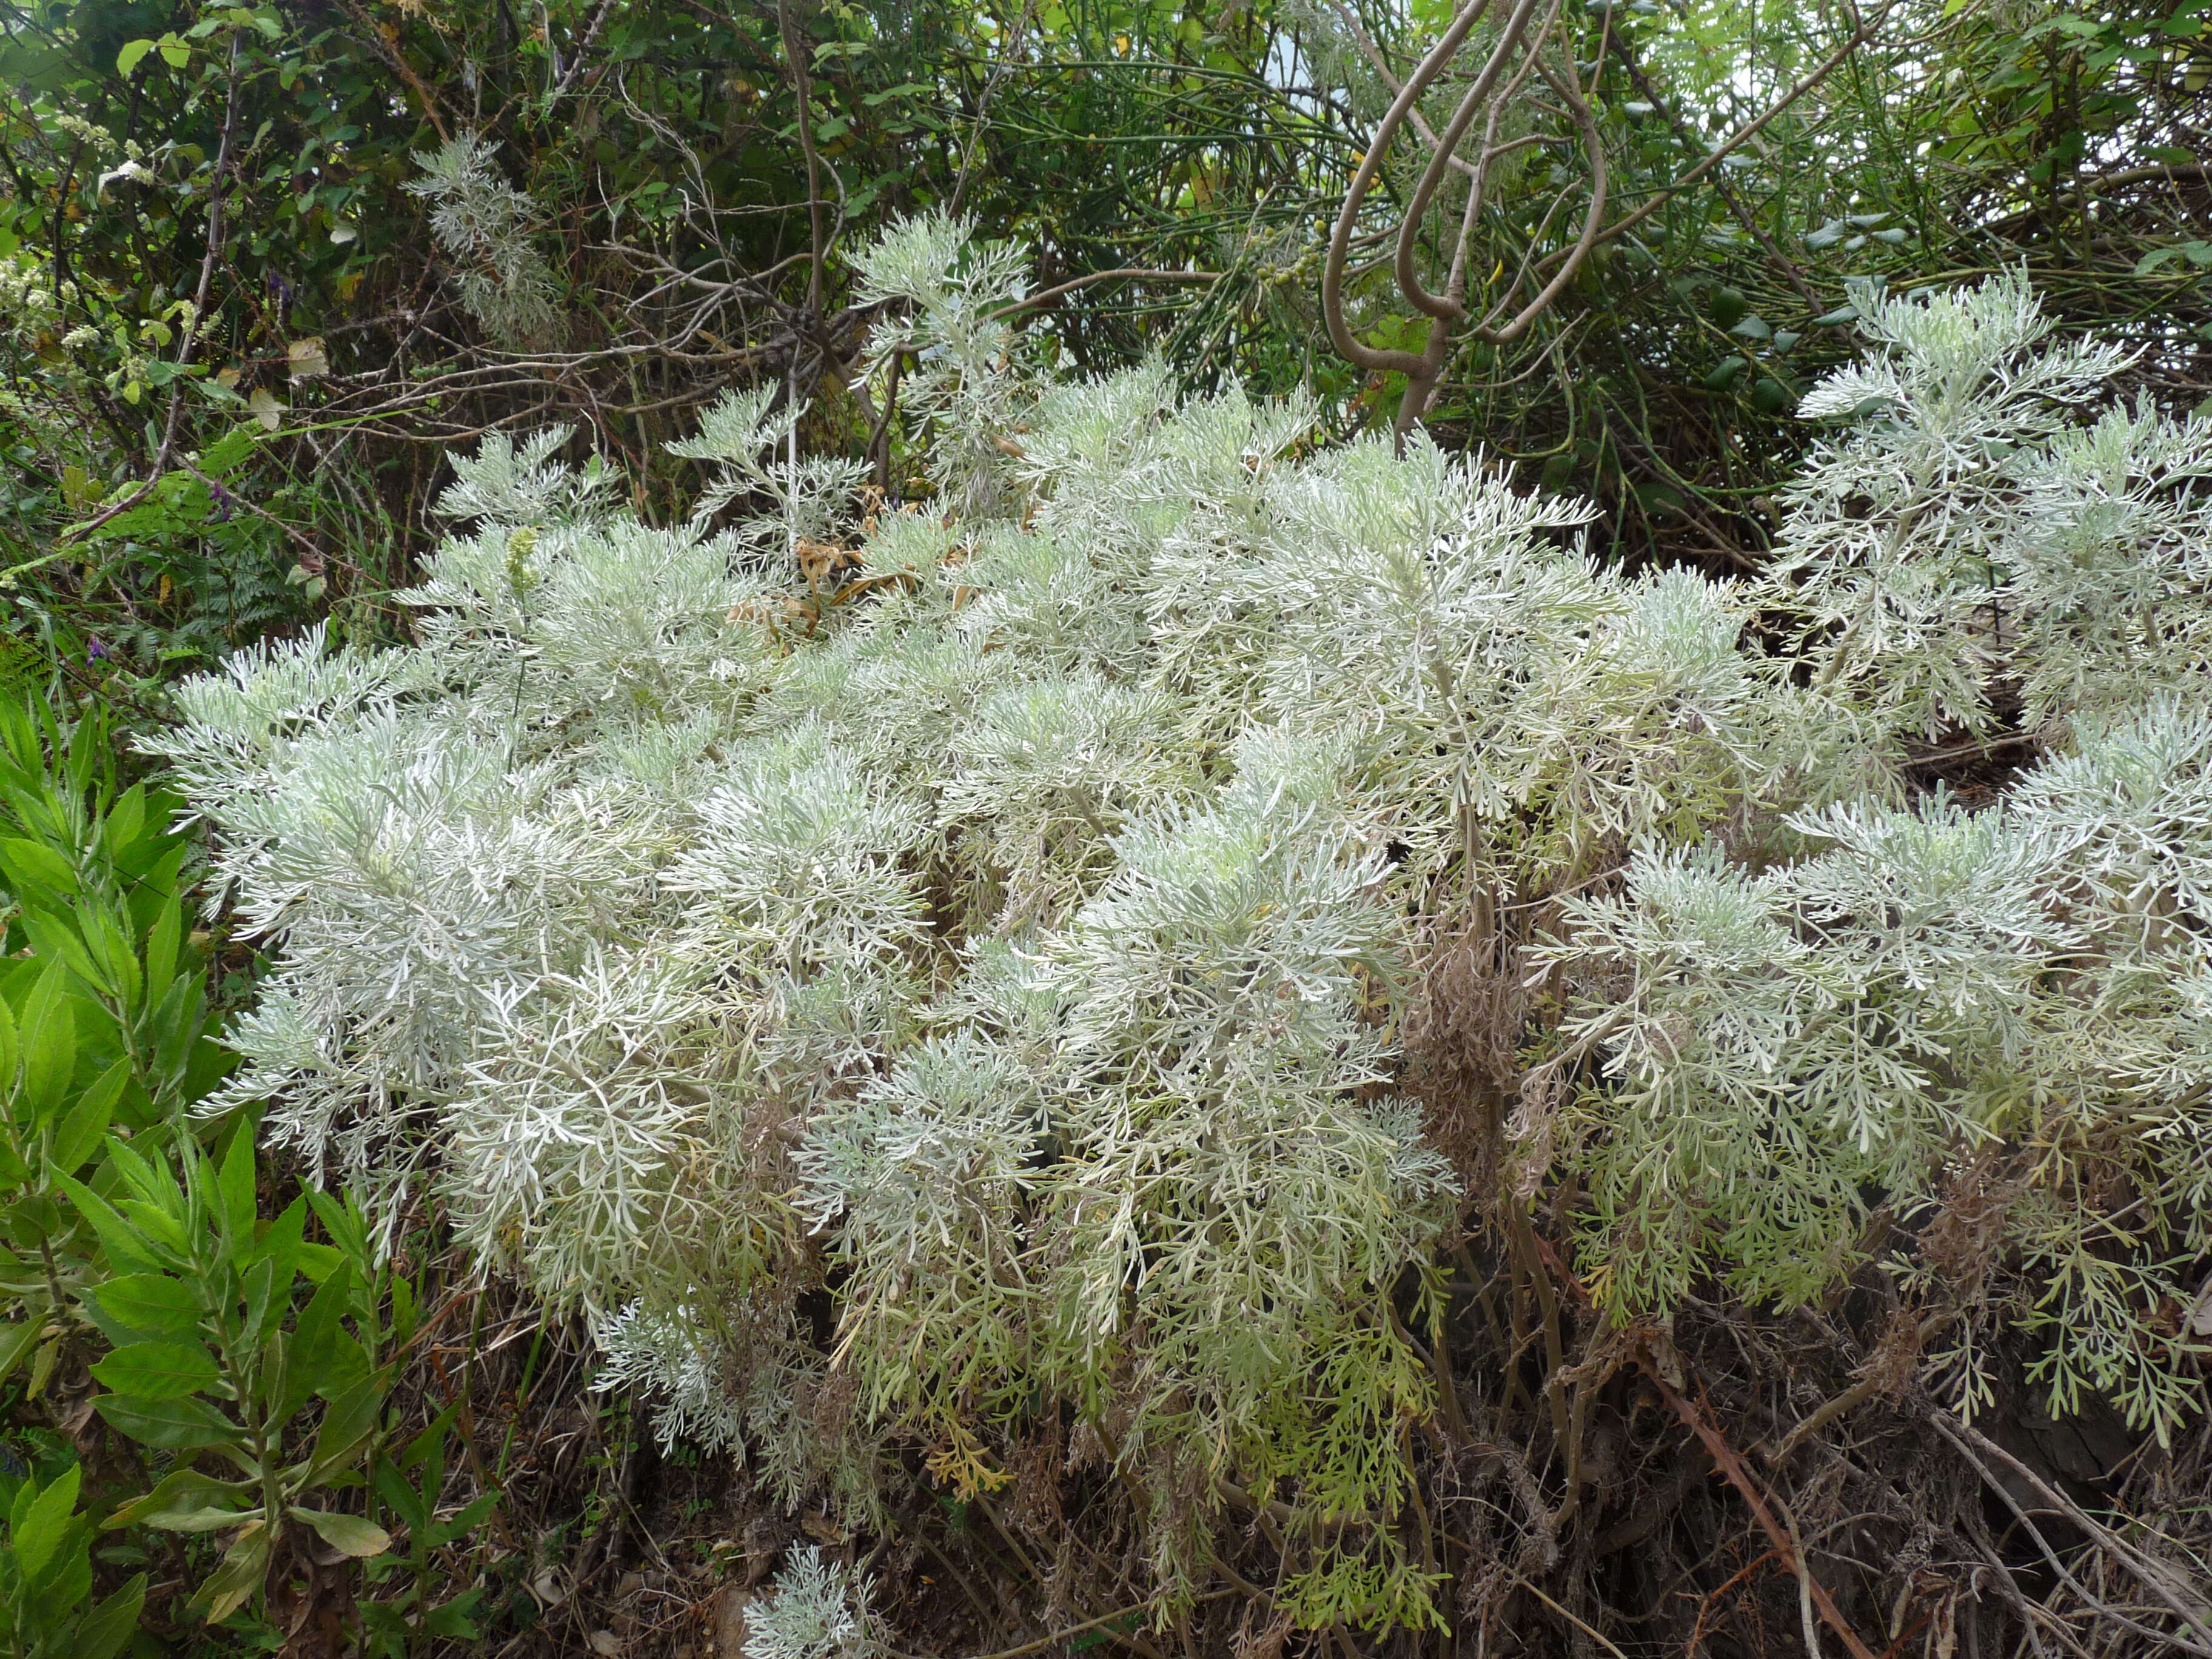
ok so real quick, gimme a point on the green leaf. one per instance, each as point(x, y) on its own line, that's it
point(127, 1249)
point(28, 865)
point(112, 1624)
point(59, 942)
point(175, 54)
point(158, 1370)
point(316, 1347)
point(453, 1619)
point(402, 1498)
point(17, 1340)
point(260, 1287)
point(39, 1533)
point(124, 820)
point(281, 1242)
point(86, 1125)
point(1725, 372)
point(245, 1565)
point(349, 1426)
point(183, 1425)
point(109, 946)
point(162, 947)
point(467, 1520)
point(49, 1052)
point(155, 1304)
point(234, 1194)
point(349, 1534)
point(186, 1500)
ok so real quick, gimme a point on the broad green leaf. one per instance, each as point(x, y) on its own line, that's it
point(185, 1492)
point(57, 940)
point(109, 948)
point(17, 1340)
point(124, 820)
point(128, 1249)
point(280, 1241)
point(348, 1426)
point(460, 1525)
point(245, 1565)
point(213, 1518)
point(454, 1620)
point(349, 1534)
point(133, 53)
point(155, 1304)
point(31, 865)
point(317, 1346)
point(403, 1499)
point(49, 1052)
point(86, 1124)
point(260, 1286)
point(170, 1425)
point(108, 1627)
point(235, 1189)
point(39, 1533)
point(157, 1371)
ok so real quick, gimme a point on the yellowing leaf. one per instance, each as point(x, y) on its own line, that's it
point(349, 1534)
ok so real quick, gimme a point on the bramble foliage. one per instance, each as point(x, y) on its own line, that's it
point(1008, 914)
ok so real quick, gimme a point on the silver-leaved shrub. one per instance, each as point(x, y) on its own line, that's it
point(1011, 915)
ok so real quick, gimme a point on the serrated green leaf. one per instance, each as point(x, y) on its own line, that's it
point(128, 1250)
point(155, 1304)
point(57, 941)
point(38, 1536)
point(31, 866)
point(132, 54)
point(85, 1125)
